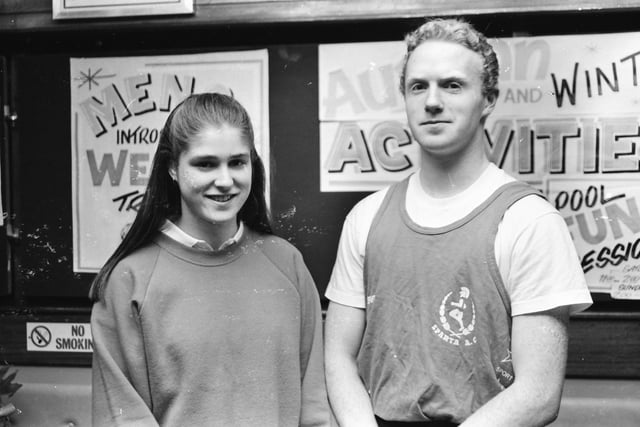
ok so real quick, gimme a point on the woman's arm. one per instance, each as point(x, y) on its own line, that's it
point(120, 391)
point(315, 405)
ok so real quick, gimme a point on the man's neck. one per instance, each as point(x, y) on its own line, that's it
point(445, 178)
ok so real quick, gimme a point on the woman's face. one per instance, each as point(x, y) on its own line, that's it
point(214, 176)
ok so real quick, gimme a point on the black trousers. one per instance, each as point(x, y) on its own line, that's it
point(384, 423)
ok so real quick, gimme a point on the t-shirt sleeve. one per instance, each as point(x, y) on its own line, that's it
point(545, 270)
point(346, 285)
point(120, 394)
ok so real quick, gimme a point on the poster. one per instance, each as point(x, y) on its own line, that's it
point(566, 121)
point(118, 107)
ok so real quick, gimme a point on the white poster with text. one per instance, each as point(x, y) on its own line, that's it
point(567, 121)
point(118, 108)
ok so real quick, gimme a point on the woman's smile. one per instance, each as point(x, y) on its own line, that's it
point(214, 175)
point(221, 198)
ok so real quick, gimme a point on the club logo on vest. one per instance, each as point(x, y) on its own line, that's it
point(457, 318)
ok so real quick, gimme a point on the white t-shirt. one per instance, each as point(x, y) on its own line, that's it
point(534, 251)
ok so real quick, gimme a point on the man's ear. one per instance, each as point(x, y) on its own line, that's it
point(490, 103)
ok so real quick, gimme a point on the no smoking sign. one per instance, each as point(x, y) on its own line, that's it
point(62, 337)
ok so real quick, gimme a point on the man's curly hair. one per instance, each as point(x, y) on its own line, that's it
point(462, 33)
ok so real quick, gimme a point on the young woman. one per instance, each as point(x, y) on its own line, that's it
point(201, 315)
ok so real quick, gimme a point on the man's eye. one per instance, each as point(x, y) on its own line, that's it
point(453, 86)
point(416, 87)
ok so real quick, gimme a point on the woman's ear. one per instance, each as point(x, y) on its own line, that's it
point(173, 173)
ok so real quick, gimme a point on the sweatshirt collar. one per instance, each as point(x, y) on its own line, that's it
point(176, 233)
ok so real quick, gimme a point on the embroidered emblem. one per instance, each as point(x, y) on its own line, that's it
point(457, 318)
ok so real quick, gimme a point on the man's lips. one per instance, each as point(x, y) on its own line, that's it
point(435, 122)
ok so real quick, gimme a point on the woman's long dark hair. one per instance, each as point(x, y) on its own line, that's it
point(161, 199)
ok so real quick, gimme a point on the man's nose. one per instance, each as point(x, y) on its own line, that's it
point(433, 103)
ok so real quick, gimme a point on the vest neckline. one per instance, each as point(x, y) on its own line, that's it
point(454, 225)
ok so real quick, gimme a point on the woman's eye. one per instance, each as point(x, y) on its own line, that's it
point(237, 163)
point(204, 165)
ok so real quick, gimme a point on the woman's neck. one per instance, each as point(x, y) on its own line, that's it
point(214, 234)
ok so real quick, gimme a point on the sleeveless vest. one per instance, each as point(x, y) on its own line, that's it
point(437, 339)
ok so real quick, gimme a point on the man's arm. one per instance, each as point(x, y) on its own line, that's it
point(343, 334)
point(539, 355)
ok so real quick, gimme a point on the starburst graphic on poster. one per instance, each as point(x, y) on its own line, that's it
point(91, 78)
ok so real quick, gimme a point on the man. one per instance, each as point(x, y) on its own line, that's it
point(451, 292)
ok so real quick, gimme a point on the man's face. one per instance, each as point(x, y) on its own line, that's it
point(444, 101)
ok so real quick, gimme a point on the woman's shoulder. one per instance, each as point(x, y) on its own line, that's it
point(280, 252)
point(140, 256)
point(274, 244)
point(136, 268)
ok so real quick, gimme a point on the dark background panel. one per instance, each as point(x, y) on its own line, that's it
point(44, 251)
point(40, 280)
point(302, 214)
point(311, 220)
point(5, 271)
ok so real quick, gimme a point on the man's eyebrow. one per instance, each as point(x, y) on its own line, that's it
point(457, 79)
point(416, 79)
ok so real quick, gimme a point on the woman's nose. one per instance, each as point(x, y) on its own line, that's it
point(223, 178)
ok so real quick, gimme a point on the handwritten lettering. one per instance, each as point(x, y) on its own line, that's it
point(526, 95)
point(114, 104)
point(606, 146)
point(602, 80)
point(385, 141)
point(139, 135)
point(525, 60)
point(593, 226)
point(138, 167)
point(589, 197)
point(615, 255)
point(129, 201)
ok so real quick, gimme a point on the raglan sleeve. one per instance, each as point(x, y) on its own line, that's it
point(315, 405)
point(120, 390)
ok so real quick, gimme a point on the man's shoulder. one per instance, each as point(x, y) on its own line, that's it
point(528, 206)
point(369, 205)
point(497, 177)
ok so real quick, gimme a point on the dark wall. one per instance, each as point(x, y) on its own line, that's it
point(36, 159)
